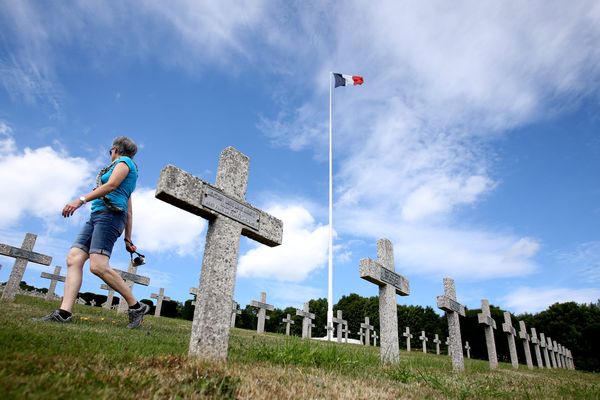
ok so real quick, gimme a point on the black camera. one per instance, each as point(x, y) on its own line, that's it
point(140, 259)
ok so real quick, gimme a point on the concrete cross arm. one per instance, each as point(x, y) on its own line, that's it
point(198, 197)
point(55, 277)
point(32, 256)
point(447, 304)
point(376, 273)
point(128, 276)
point(258, 304)
point(508, 328)
point(305, 314)
point(487, 320)
point(366, 326)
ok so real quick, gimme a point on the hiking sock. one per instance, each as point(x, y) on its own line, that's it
point(64, 313)
point(135, 306)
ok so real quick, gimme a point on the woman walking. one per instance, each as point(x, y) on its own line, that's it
point(111, 214)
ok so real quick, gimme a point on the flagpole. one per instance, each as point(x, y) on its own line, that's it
point(330, 285)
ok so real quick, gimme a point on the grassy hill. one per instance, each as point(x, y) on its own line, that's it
point(96, 357)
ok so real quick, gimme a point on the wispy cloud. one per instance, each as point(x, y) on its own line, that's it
point(584, 261)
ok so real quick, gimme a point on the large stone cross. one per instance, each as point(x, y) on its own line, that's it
point(381, 272)
point(551, 352)
point(130, 277)
point(448, 303)
point(368, 328)
point(306, 320)
point(22, 256)
point(485, 318)
point(545, 350)
point(235, 311)
point(230, 216)
point(510, 336)
point(437, 342)
point(54, 279)
point(160, 296)
point(424, 339)
point(287, 321)
point(262, 311)
point(408, 336)
point(109, 297)
point(536, 348)
point(468, 348)
point(340, 325)
point(555, 351)
point(524, 336)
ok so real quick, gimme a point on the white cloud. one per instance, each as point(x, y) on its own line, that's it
point(304, 248)
point(534, 299)
point(290, 294)
point(161, 227)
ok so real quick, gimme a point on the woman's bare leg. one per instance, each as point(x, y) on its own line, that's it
point(75, 260)
point(99, 266)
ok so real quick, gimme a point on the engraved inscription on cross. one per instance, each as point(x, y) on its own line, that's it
point(381, 272)
point(54, 279)
point(230, 216)
point(22, 256)
point(448, 303)
point(485, 318)
point(160, 297)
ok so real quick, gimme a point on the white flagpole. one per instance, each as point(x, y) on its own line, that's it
point(330, 286)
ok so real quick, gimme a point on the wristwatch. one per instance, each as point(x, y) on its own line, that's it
point(82, 200)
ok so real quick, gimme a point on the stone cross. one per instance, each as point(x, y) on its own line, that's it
point(287, 322)
point(510, 336)
point(196, 292)
point(160, 296)
point(361, 334)
point(262, 311)
point(93, 303)
point(381, 272)
point(468, 348)
point(437, 342)
point(130, 277)
point(485, 318)
point(80, 301)
point(346, 332)
point(562, 355)
point(307, 318)
point(555, 351)
point(544, 345)
point(524, 336)
point(54, 279)
point(453, 309)
point(230, 216)
point(551, 352)
point(109, 298)
point(424, 339)
point(329, 329)
point(536, 348)
point(22, 256)
point(368, 328)
point(340, 325)
point(234, 312)
point(375, 337)
point(408, 336)
point(448, 345)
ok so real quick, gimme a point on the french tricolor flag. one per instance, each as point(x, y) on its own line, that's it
point(347, 80)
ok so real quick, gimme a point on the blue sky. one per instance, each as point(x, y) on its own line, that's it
point(473, 144)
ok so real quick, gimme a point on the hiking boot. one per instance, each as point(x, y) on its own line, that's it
point(54, 316)
point(136, 316)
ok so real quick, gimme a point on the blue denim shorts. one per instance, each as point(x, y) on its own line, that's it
point(99, 234)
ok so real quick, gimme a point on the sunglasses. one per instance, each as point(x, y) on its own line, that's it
point(110, 152)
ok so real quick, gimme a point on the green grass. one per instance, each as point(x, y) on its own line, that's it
point(96, 357)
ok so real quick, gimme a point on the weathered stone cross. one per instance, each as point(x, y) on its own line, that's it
point(80, 301)
point(536, 348)
point(367, 328)
point(424, 339)
point(22, 256)
point(93, 303)
point(329, 329)
point(437, 342)
point(524, 336)
point(510, 336)
point(555, 351)
point(109, 298)
point(130, 277)
point(551, 351)
point(545, 350)
point(346, 332)
point(468, 348)
point(448, 345)
point(381, 272)
point(262, 311)
point(340, 325)
point(375, 337)
point(230, 216)
point(54, 279)
point(234, 312)
point(306, 320)
point(485, 318)
point(361, 334)
point(287, 322)
point(196, 292)
point(408, 336)
point(160, 296)
point(453, 309)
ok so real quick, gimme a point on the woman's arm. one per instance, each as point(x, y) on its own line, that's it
point(118, 175)
point(129, 246)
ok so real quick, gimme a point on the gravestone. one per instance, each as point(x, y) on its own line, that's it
point(544, 347)
point(80, 301)
point(196, 292)
point(93, 303)
point(555, 351)
point(424, 339)
point(562, 356)
point(109, 298)
point(262, 311)
point(453, 309)
point(230, 216)
point(346, 332)
point(160, 296)
point(536, 348)
point(524, 336)
point(329, 329)
point(130, 277)
point(361, 335)
point(307, 318)
point(381, 272)
point(22, 256)
point(437, 342)
point(287, 321)
point(368, 328)
point(235, 311)
point(510, 336)
point(485, 318)
point(408, 336)
point(448, 345)
point(468, 348)
point(551, 352)
point(375, 337)
point(54, 278)
point(340, 325)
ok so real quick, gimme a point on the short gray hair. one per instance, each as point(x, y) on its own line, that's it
point(125, 146)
